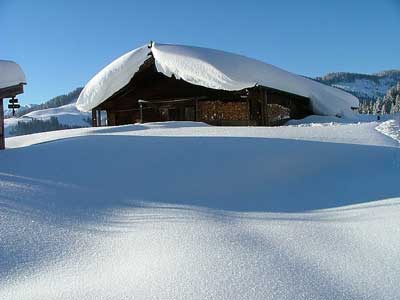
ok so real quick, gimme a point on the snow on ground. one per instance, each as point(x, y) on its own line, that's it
point(67, 115)
point(352, 133)
point(358, 118)
point(182, 210)
point(390, 128)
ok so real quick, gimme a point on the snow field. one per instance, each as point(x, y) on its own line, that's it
point(182, 210)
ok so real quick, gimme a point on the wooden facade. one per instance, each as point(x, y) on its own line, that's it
point(151, 96)
point(8, 92)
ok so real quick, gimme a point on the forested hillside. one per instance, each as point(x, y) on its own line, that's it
point(367, 87)
point(52, 103)
point(389, 104)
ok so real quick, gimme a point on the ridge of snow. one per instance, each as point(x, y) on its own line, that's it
point(349, 133)
point(213, 69)
point(48, 112)
point(390, 128)
point(10, 74)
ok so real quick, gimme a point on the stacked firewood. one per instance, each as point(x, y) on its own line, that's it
point(222, 110)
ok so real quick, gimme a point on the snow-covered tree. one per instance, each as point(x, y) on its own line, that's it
point(389, 104)
point(396, 105)
point(377, 109)
point(386, 105)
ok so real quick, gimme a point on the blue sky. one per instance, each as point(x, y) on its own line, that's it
point(62, 44)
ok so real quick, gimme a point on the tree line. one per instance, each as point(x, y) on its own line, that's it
point(389, 104)
point(35, 125)
point(52, 103)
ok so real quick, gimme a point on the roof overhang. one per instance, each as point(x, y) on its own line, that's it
point(11, 91)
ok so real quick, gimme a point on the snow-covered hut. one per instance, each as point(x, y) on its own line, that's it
point(12, 80)
point(160, 82)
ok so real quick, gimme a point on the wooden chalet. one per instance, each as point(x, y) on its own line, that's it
point(152, 97)
point(182, 83)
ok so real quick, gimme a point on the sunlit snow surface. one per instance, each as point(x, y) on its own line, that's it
point(189, 211)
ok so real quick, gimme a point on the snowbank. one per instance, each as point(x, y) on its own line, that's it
point(213, 69)
point(10, 74)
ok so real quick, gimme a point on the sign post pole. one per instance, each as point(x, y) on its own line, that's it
point(2, 137)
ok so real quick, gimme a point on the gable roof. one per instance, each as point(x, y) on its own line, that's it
point(212, 69)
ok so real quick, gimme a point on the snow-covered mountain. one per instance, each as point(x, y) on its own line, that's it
point(364, 86)
point(57, 113)
point(52, 103)
point(67, 116)
point(189, 211)
point(23, 109)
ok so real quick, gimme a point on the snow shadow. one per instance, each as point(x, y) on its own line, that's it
point(145, 126)
point(224, 173)
point(82, 183)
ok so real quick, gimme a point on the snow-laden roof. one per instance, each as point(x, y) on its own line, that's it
point(212, 69)
point(10, 74)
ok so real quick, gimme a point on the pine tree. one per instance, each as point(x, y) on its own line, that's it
point(389, 104)
point(377, 108)
point(396, 106)
point(386, 105)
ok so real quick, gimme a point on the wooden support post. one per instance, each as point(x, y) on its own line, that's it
point(99, 118)
point(110, 118)
point(196, 110)
point(94, 118)
point(262, 105)
point(2, 135)
point(141, 112)
point(248, 112)
point(265, 107)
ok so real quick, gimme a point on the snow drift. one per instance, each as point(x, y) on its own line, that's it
point(187, 211)
point(213, 69)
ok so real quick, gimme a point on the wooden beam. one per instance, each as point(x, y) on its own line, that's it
point(11, 91)
point(2, 135)
point(272, 90)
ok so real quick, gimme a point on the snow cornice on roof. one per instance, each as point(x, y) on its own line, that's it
point(213, 69)
point(11, 74)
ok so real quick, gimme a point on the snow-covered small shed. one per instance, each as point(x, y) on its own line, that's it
point(159, 82)
point(12, 80)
